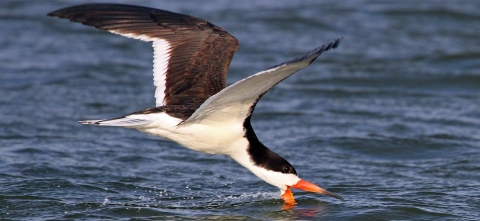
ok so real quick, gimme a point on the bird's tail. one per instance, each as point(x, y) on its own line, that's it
point(126, 121)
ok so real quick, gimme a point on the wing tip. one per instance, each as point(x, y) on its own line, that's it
point(318, 51)
point(57, 13)
point(336, 42)
point(331, 45)
point(313, 54)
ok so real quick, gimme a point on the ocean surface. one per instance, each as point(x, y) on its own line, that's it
point(390, 120)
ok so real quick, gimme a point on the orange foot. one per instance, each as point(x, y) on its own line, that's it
point(288, 197)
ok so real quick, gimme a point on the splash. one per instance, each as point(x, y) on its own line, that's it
point(232, 200)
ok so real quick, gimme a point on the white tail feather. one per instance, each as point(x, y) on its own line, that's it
point(118, 122)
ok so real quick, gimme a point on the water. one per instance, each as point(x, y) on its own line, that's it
point(390, 120)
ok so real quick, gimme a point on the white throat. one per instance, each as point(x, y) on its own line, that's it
point(278, 179)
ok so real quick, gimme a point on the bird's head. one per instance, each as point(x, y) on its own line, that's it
point(285, 178)
point(272, 168)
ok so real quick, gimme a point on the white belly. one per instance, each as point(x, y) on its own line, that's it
point(208, 137)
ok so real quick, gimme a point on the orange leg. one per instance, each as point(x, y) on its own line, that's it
point(288, 197)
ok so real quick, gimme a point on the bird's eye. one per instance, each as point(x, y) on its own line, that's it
point(286, 169)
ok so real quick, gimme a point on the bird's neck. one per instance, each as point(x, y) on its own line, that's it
point(256, 157)
point(245, 159)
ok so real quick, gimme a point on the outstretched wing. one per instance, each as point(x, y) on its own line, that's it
point(191, 55)
point(236, 102)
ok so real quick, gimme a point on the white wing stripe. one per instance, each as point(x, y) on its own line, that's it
point(161, 57)
point(134, 36)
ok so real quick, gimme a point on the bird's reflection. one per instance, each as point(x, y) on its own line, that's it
point(297, 211)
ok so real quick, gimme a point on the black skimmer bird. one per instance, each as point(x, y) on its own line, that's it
point(193, 105)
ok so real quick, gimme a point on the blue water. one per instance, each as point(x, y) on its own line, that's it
point(390, 120)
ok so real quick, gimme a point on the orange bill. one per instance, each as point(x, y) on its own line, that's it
point(306, 186)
